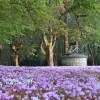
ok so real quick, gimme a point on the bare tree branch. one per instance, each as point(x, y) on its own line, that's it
point(13, 47)
point(45, 39)
point(51, 36)
point(54, 41)
point(41, 46)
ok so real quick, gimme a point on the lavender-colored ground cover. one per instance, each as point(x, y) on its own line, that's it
point(45, 83)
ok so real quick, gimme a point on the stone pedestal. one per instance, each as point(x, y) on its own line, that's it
point(74, 59)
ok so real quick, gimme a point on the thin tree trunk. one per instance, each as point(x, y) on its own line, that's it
point(55, 60)
point(66, 35)
point(66, 43)
point(0, 49)
point(93, 62)
point(50, 56)
point(0, 53)
point(16, 60)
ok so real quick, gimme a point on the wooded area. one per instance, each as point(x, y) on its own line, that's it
point(38, 32)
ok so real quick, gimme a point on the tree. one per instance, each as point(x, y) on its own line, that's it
point(49, 18)
point(51, 30)
point(19, 15)
point(79, 8)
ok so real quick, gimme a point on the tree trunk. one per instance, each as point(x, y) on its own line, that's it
point(50, 56)
point(93, 62)
point(14, 56)
point(16, 60)
point(50, 44)
point(55, 60)
point(66, 34)
point(66, 43)
point(0, 49)
point(15, 49)
point(0, 53)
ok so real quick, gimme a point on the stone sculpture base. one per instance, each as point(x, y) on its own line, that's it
point(74, 59)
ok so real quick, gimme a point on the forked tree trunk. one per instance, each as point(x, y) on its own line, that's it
point(15, 47)
point(50, 47)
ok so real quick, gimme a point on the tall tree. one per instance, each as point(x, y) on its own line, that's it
point(19, 15)
point(77, 7)
point(52, 29)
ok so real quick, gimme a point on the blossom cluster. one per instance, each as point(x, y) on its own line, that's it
point(50, 83)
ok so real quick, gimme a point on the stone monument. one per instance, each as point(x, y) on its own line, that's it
point(73, 57)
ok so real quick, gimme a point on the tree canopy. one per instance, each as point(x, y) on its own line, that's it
point(48, 20)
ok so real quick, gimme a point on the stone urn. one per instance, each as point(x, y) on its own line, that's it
point(74, 59)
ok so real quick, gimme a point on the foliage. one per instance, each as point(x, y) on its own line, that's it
point(18, 15)
point(32, 18)
point(93, 53)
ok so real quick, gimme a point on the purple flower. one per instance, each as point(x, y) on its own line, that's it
point(99, 98)
point(50, 83)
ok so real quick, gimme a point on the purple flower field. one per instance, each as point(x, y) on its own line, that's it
point(45, 83)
